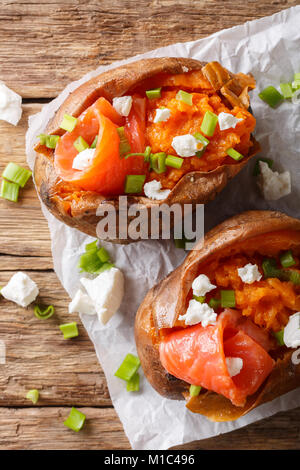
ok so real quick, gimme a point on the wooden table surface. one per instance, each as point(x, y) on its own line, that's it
point(45, 44)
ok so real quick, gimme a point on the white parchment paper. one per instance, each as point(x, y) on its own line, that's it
point(269, 49)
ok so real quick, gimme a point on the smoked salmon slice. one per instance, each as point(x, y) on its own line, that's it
point(197, 355)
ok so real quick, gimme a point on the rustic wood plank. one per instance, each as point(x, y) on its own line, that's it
point(46, 44)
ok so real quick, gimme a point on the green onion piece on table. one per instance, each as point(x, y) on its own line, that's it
point(286, 90)
point(271, 96)
point(209, 123)
point(124, 146)
point(174, 162)
point(287, 260)
point(134, 183)
point(103, 255)
point(93, 246)
point(185, 97)
point(68, 123)
point(279, 336)
point(104, 267)
point(195, 390)
point(256, 170)
point(69, 330)
point(128, 368)
point(153, 94)
point(133, 385)
point(16, 174)
point(234, 154)
point(33, 395)
point(9, 191)
point(227, 298)
point(80, 144)
point(75, 420)
point(89, 262)
point(43, 314)
point(158, 162)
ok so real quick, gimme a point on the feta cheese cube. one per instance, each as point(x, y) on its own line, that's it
point(234, 365)
point(82, 303)
point(185, 145)
point(197, 313)
point(227, 121)
point(249, 273)
point(10, 105)
point(272, 184)
point(291, 333)
point(162, 115)
point(106, 292)
point(21, 289)
point(84, 159)
point(153, 190)
point(122, 105)
point(202, 285)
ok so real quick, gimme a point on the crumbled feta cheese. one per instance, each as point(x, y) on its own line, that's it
point(234, 365)
point(162, 115)
point(227, 121)
point(202, 285)
point(82, 303)
point(153, 190)
point(249, 273)
point(272, 184)
point(21, 289)
point(83, 160)
point(291, 333)
point(197, 313)
point(122, 105)
point(106, 292)
point(10, 105)
point(185, 69)
point(185, 145)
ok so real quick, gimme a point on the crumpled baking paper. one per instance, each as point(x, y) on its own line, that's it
point(269, 49)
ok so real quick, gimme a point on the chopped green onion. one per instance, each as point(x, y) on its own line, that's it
point(214, 303)
point(279, 336)
point(287, 260)
point(201, 139)
point(256, 170)
point(75, 420)
point(271, 96)
point(124, 146)
point(43, 314)
point(104, 267)
point(68, 123)
point(180, 243)
point(174, 162)
point(294, 277)
point(153, 94)
point(16, 174)
point(133, 385)
point(297, 76)
point(158, 162)
point(69, 330)
point(227, 298)
point(134, 183)
point(128, 368)
point(199, 298)
point(234, 154)
point(185, 97)
point(270, 269)
point(209, 123)
point(94, 143)
point(286, 90)
point(103, 255)
point(145, 154)
point(195, 390)
point(9, 191)
point(89, 262)
point(33, 395)
point(80, 144)
point(49, 140)
point(296, 85)
point(93, 246)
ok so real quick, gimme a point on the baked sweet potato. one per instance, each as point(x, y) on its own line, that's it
point(249, 237)
point(198, 180)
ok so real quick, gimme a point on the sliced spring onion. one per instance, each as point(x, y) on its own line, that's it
point(271, 96)
point(174, 162)
point(214, 303)
point(153, 94)
point(80, 144)
point(199, 298)
point(180, 243)
point(185, 97)
point(279, 336)
point(145, 154)
point(128, 368)
point(227, 298)
point(287, 260)
point(68, 123)
point(43, 314)
point(256, 170)
point(33, 395)
point(124, 146)
point(103, 255)
point(134, 183)
point(9, 191)
point(49, 140)
point(234, 154)
point(209, 123)
point(133, 385)
point(286, 90)
point(75, 420)
point(201, 138)
point(69, 330)
point(16, 174)
point(195, 390)
point(89, 262)
point(270, 269)
point(92, 246)
point(94, 143)
point(294, 277)
point(296, 84)
point(104, 267)
point(158, 162)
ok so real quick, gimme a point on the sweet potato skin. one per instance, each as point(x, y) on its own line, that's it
point(164, 302)
point(194, 188)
